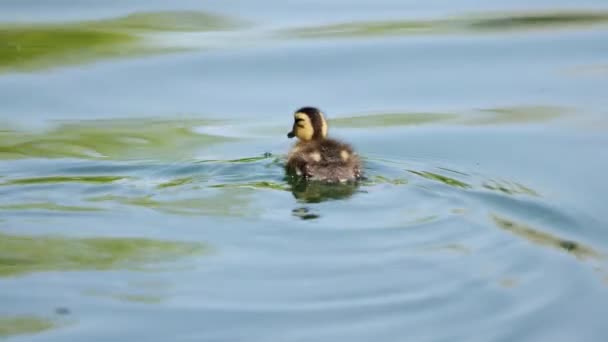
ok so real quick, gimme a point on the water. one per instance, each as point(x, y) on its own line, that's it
point(142, 192)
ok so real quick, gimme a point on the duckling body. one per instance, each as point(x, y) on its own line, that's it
point(316, 157)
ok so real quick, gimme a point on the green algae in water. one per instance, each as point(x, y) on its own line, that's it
point(441, 178)
point(378, 179)
point(541, 238)
point(539, 20)
point(129, 297)
point(167, 21)
point(503, 187)
point(64, 179)
point(254, 185)
point(26, 254)
point(391, 119)
point(110, 139)
point(248, 159)
point(239, 160)
point(176, 182)
point(39, 46)
point(455, 248)
point(365, 29)
point(22, 47)
point(48, 206)
point(495, 116)
point(230, 202)
point(511, 115)
point(20, 325)
point(510, 188)
point(482, 23)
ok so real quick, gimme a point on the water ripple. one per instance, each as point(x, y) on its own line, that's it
point(422, 239)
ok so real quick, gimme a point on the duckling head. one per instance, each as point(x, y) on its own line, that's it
point(309, 124)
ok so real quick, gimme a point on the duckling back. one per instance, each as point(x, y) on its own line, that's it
point(325, 160)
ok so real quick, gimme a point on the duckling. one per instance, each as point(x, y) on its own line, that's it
point(317, 157)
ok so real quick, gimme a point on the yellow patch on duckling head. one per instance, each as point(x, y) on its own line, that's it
point(309, 124)
point(302, 127)
point(316, 156)
point(345, 155)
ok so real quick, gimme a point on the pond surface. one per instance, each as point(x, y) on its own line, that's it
point(142, 191)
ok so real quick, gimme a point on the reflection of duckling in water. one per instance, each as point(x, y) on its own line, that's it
point(316, 192)
point(316, 157)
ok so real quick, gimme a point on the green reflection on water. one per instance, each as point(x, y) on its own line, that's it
point(42, 45)
point(487, 22)
point(26, 254)
point(18, 325)
point(109, 139)
point(546, 239)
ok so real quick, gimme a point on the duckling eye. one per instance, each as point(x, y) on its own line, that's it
point(299, 119)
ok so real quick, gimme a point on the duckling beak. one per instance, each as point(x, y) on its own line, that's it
point(291, 135)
